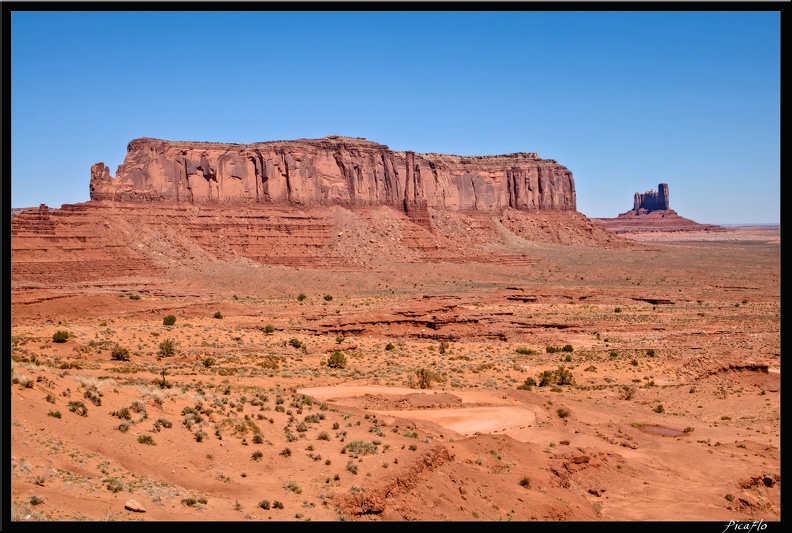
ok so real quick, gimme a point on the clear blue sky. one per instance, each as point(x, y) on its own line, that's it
point(625, 100)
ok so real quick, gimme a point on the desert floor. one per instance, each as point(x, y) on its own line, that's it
point(671, 413)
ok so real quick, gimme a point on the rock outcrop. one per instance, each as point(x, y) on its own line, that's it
point(344, 171)
point(651, 200)
point(651, 212)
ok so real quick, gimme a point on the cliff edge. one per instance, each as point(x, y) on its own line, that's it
point(334, 170)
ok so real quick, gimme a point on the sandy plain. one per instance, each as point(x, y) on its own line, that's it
point(673, 413)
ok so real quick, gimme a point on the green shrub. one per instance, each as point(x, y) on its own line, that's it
point(425, 377)
point(269, 329)
point(390, 346)
point(529, 384)
point(617, 310)
point(277, 505)
point(659, 408)
point(352, 467)
point(327, 297)
point(360, 447)
point(560, 376)
point(119, 354)
point(134, 297)
point(568, 348)
point(552, 349)
point(78, 407)
point(301, 297)
point(208, 361)
point(525, 482)
point(264, 504)
point(54, 414)
point(526, 351)
point(257, 455)
point(337, 360)
point(60, 336)
point(115, 485)
point(217, 314)
point(563, 412)
point(650, 352)
point(169, 320)
point(167, 348)
point(295, 342)
point(145, 439)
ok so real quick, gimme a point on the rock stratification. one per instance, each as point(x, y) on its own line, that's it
point(334, 170)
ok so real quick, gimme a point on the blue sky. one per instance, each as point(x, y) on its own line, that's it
point(625, 100)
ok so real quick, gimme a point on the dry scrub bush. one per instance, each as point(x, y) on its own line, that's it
point(337, 360)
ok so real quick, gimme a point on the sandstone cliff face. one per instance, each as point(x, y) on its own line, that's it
point(341, 171)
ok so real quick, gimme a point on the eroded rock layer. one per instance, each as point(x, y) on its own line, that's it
point(343, 171)
point(100, 240)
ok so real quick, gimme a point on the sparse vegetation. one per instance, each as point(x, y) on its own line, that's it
point(60, 336)
point(169, 320)
point(217, 314)
point(146, 439)
point(526, 351)
point(167, 348)
point(424, 378)
point(360, 447)
point(560, 376)
point(119, 354)
point(627, 392)
point(529, 384)
point(337, 360)
point(77, 407)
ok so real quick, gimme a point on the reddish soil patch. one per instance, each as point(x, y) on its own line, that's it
point(242, 419)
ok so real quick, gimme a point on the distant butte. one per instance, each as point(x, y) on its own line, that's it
point(651, 212)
